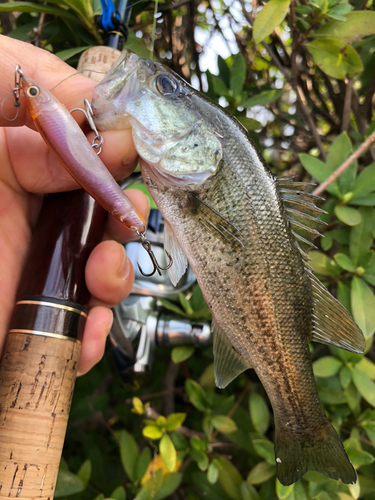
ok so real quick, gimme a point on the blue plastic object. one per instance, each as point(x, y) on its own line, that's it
point(106, 18)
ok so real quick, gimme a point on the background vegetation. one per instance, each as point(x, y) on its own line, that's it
point(299, 75)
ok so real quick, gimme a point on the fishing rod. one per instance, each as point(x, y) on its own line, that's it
point(39, 363)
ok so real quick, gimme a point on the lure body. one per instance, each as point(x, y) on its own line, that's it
point(66, 139)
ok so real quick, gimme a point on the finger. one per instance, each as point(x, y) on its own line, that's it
point(46, 69)
point(109, 274)
point(98, 325)
point(117, 231)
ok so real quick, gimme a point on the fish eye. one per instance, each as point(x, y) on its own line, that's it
point(32, 91)
point(167, 84)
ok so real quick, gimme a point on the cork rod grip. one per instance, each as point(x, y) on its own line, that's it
point(37, 377)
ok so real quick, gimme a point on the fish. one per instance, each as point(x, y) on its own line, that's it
point(68, 142)
point(246, 236)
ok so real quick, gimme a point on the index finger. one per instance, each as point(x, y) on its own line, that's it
point(46, 69)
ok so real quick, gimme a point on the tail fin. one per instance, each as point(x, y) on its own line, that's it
point(322, 451)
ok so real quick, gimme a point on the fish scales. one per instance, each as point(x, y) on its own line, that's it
point(273, 319)
point(224, 212)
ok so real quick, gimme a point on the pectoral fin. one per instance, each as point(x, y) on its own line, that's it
point(180, 263)
point(228, 364)
point(215, 223)
point(332, 324)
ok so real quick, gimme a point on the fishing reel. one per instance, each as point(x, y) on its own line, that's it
point(141, 324)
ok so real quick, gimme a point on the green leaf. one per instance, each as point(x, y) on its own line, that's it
point(68, 484)
point(203, 462)
point(248, 492)
point(332, 396)
point(185, 303)
point(64, 55)
point(84, 472)
point(366, 366)
point(339, 12)
point(265, 449)
point(153, 485)
point(365, 182)
point(152, 432)
point(363, 306)
point(326, 366)
point(212, 473)
point(181, 353)
point(179, 440)
point(299, 491)
point(319, 170)
point(219, 87)
point(335, 58)
point(142, 463)
point(118, 494)
point(361, 236)
point(249, 123)
point(343, 295)
point(357, 25)
point(168, 452)
point(339, 152)
point(223, 424)
point(345, 262)
point(237, 74)
point(260, 473)
point(269, 18)
point(323, 265)
point(359, 457)
point(137, 45)
point(259, 413)
point(264, 98)
point(197, 395)
point(174, 421)
point(363, 201)
point(230, 479)
point(283, 491)
point(172, 307)
point(347, 215)
point(143, 494)
point(129, 453)
point(364, 385)
point(170, 484)
point(345, 377)
point(32, 7)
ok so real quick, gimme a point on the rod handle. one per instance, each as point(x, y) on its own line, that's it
point(37, 374)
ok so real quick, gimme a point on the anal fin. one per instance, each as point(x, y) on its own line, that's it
point(332, 324)
point(228, 364)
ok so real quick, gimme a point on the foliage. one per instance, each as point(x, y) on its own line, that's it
point(300, 74)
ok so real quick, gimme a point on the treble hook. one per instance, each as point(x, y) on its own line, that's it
point(98, 140)
point(17, 86)
point(147, 246)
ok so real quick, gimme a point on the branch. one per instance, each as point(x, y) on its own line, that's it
point(362, 148)
point(347, 105)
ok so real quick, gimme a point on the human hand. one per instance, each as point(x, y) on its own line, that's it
point(29, 169)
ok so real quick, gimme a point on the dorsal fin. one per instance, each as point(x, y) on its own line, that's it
point(332, 324)
point(301, 211)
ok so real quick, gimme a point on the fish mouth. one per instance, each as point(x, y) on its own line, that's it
point(118, 76)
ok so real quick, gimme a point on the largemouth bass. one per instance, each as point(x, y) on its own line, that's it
point(245, 235)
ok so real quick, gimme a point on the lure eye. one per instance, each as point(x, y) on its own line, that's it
point(167, 84)
point(32, 91)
